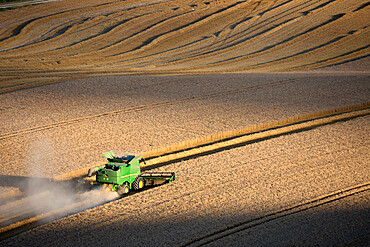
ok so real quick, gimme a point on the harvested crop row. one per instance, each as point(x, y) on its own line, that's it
point(242, 226)
point(255, 129)
point(255, 137)
point(249, 182)
point(79, 145)
point(144, 107)
point(238, 137)
point(179, 37)
point(250, 135)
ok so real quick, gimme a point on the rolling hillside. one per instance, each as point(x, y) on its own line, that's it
point(261, 108)
point(70, 39)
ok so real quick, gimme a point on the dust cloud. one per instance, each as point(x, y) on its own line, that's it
point(53, 199)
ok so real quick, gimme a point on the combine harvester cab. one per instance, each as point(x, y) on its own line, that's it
point(123, 173)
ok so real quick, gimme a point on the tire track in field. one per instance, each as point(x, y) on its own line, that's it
point(105, 33)
point(240, 39)
point(144, 107)
point(28, 223)
point(149, 44)
point(60, 29)
point(55, 32)
point(264, 25)
point(252, 28)
point(248, 224)
point(28, 219)
point(203, 188)
point(229, 143)
point(134, 37)
point(290, 39)
point(344, 55)
point(21, 213)
point(334, 42)
point(20, 29)
point(210, 185)
point(157, 26)
point(154, 39)
point(193, 23)
point(233, 139)
point(233, 41)
point(185, 48)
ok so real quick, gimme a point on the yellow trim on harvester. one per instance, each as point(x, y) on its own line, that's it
point(130, 175)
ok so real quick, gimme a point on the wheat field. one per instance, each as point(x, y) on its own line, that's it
point(260, 107)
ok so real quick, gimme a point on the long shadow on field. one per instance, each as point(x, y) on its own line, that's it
point(344, 224)
point(33, 185)
point(43, 200)
point(315, 228)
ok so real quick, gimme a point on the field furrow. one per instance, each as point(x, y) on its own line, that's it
point(260, 107)
point(182, 37)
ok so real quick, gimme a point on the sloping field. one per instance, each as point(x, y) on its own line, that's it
point(138, 114)
point(73, 39)
point(306, 189)
point(42, 139)
point(261, 108)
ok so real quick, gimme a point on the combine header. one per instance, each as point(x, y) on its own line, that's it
point(123, 173)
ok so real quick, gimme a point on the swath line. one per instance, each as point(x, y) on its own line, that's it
point(248, 224)
point(142, 107)
point(236, 138)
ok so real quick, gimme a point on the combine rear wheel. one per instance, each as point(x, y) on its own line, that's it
point(123, 189)
point(138, 183)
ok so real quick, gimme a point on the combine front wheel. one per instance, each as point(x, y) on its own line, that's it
point(123, 189)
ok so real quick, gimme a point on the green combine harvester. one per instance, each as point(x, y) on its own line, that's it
point(123, 174)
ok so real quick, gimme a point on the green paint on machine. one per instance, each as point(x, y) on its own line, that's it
point(124, 174)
